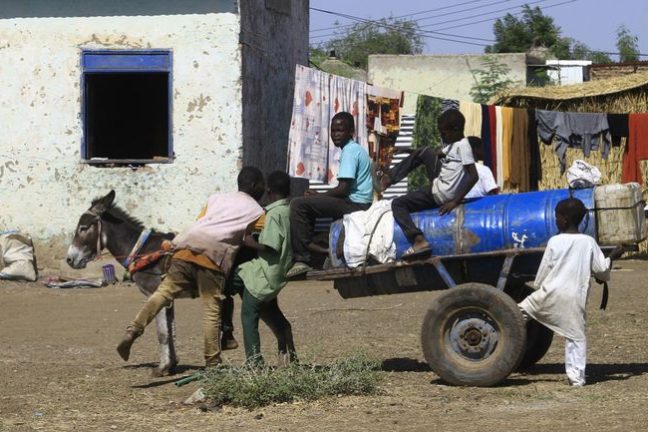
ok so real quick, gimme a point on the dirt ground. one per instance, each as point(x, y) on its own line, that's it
point(59, 370)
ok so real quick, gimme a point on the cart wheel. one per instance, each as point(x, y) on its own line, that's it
point(539, 337)
point(539, 340)
point(473, 335)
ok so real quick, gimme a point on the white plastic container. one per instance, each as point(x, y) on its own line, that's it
point(620, 215)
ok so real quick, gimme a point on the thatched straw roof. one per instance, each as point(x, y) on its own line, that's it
point(577, 91)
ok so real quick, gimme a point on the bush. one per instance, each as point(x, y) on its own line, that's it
point(253, 387)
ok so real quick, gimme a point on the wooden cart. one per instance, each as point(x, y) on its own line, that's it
point(474, 333)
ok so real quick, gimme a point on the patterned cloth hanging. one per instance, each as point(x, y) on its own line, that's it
point(317, 98)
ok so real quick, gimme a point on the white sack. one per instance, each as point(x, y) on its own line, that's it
point(358, 229)
point(17, 257)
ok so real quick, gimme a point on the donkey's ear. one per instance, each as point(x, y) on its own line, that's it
point(101, 205)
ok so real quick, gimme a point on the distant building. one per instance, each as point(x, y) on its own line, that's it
point(446, 76)
point(566, 72)
point(335, 66)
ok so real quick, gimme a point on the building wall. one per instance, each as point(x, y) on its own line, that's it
point(44, 187)
point(98, 8)
point(567, 72)
point(274, 38)
point(446, 76)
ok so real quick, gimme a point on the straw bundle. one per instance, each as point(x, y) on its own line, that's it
point(607, 89)
point(552, 178)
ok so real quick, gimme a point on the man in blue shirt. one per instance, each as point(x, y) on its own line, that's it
point(354, 192)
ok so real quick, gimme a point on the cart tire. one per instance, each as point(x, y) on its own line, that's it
point(539, 337)
point(539, 340)
point(473, 335)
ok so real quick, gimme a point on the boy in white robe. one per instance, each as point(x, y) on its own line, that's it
point(562, 284)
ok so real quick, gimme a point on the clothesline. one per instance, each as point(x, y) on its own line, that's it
point(416, 93)
point(510, 135)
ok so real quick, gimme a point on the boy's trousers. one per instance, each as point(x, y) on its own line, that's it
point(185, 276)
point(575, 361)
point(414, 201)
point(253, 309)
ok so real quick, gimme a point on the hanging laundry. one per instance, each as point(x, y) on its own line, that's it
point(346, 95)
point(582, 130)
point(520, 155)
point(618, 127)
point(486, 136)
point(535, 164)
point(308, 138)
point(504, 138)
point(636, 150)
point(318, 96)
point(498, 147)
point(383, 122)
point(383, 109)
point(492, 119)
point(473, 115)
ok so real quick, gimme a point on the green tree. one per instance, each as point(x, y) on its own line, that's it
point(317, 55)
point(491, 80)
point(628, 45)
point(580, 51)
point(426, 133)
point(534, 28)
point(386, 36)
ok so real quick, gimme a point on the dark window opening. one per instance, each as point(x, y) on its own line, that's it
point(127, 116)
point(127, 107)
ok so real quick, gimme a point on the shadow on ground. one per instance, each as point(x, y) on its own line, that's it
point(595, 372)
point(402, 364)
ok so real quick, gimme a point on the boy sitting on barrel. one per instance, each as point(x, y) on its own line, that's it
point(450, 169)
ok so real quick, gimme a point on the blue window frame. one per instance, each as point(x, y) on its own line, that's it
point(126, 106)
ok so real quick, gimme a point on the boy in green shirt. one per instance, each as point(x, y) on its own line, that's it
point(259, 281)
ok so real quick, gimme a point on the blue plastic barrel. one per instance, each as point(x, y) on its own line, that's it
point(490, 223)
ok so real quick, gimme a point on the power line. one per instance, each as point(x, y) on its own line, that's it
point(404, 16)
point(467, 10)
point(521, 12)
point(499, 17)
point(424, 34)
point(427, 18)
point(428, 32)
point(594, 51)
point(487, 13)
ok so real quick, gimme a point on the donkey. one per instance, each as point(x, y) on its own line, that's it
point(106, 226)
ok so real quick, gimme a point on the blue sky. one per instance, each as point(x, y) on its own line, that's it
point(591, 22)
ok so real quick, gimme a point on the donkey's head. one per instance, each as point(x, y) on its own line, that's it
point(89, 238)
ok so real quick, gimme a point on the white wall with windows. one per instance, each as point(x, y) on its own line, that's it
point(46, 181)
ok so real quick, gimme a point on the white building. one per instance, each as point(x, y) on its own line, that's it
point(161, 100)
point(444, 76)
point(566, 72)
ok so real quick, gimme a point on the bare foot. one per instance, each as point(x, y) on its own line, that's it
point(420, 244)
point(419, 249)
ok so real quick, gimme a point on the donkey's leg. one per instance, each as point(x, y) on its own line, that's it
point(166, 332)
